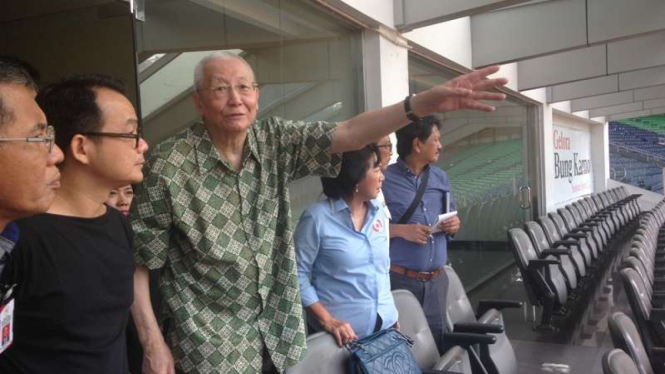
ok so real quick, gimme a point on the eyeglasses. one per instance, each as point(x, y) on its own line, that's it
point(388, 145)
point(223, 90)
point(137, 135)
point(48, 139)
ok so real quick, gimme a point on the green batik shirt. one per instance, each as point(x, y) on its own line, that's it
point(224, 241)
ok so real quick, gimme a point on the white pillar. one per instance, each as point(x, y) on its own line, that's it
point(600, 155)
point(386, 73)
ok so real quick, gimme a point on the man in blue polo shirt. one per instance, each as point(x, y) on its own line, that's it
point(417, 254)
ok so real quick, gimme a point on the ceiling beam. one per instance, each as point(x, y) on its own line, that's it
point(640, 113)
point(656, 99)
point(413, 14)
point(647, 84)
point(541, 29)
point(614, 58)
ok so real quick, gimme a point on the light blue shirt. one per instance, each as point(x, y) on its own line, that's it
point(346, 270)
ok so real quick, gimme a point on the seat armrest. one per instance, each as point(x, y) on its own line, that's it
point(567, 243)
point(485, 305)
point(575, 236)
point(582, 229)
point(478, 328)
point(657, 314)
point(590, 224)
point(555, 252)
point(658, 352)
point(465, 339)
point(537, 264)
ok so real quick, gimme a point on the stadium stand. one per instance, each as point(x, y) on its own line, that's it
point(637, 152)
point(484, 179)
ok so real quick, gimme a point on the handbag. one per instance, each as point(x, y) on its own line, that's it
point(384, 352)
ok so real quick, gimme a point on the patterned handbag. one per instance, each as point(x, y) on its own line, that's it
point(384, 352)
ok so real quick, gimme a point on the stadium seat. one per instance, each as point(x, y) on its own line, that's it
point(413, 323)
point(498, 358)
point(617, 361)
point(323, 356)
point(544, 282)
point(626, 338)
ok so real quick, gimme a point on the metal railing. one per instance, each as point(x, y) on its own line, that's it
point(637, 153)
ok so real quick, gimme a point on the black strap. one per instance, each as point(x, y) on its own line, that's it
point(416, 200)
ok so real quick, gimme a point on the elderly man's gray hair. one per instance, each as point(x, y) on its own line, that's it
point(17, 72)
point(221, 55)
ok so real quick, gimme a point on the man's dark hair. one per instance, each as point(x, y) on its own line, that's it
point(70, 105)
point(354, 168)
point(18, 72)
point(418, 129)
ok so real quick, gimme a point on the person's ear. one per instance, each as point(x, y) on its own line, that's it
point(80, 149)
point(416, 145)
point(198, 102)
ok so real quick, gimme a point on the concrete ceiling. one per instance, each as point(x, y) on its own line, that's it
point(606, 57)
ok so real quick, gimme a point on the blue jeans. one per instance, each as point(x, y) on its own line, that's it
point(432, 297)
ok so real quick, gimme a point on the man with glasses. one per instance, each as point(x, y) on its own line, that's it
point(73, 265)
point(214, 214)
point(28, 161)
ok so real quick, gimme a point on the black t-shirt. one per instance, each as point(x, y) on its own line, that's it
point(74, 281)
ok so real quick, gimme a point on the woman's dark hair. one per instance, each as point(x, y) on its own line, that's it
point(70, 105)
point(354, 168)
point(419, 129)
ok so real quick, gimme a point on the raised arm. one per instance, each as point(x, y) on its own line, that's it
point(463, 92)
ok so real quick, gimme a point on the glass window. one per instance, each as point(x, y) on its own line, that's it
point(484, 155)
point(306, 62)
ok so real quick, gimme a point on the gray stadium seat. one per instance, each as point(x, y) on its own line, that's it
point(498, 358)
point(625, 337)
point(413, 324)
point(323, 357)
point(617, 361)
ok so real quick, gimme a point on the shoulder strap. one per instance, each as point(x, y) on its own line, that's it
point(416, 200)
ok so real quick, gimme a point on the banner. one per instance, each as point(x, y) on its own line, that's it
point(573, 175)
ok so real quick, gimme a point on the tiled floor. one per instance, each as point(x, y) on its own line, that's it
point(576, 349)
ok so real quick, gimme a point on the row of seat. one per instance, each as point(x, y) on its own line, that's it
point(477, 341)
point(565, 256)
point(641, 345)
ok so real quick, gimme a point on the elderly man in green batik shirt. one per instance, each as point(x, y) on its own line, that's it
point(214, 212)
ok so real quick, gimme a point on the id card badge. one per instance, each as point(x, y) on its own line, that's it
point(6, 325)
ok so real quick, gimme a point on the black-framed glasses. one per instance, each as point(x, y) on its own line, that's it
point(47, 139)
point(131, 135)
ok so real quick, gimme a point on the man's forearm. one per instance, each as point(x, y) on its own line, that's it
point(142, 312)
point(367, 127)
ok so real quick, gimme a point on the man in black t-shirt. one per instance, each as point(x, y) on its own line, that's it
point(73, 264)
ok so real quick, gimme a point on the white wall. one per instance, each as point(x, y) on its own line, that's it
point(380, 10)
point(451, 40)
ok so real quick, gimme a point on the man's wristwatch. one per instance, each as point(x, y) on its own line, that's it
point(407, 109)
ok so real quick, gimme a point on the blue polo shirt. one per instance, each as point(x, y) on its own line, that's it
point(346, 270)
point(399, 189)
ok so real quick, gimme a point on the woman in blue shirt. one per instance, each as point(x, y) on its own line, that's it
point(343, 255)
